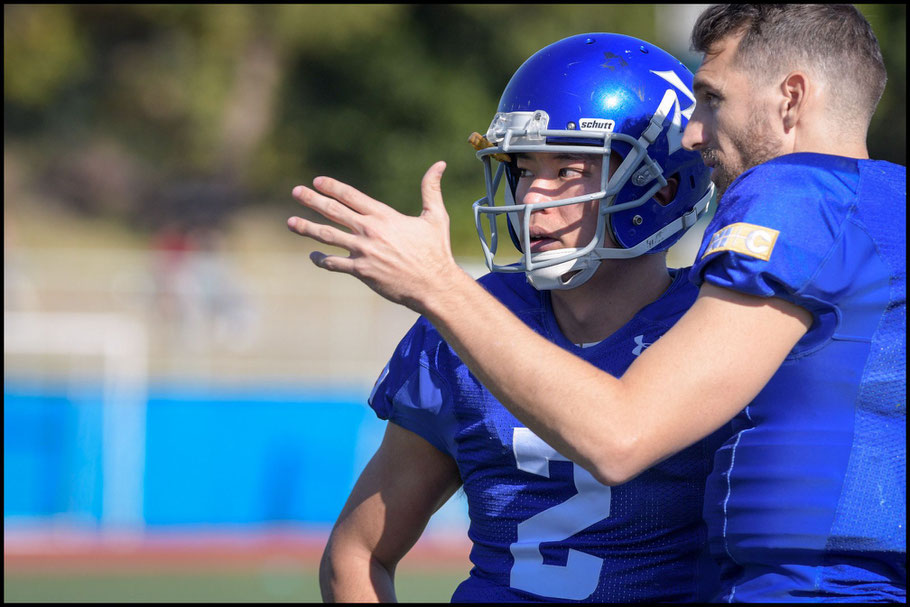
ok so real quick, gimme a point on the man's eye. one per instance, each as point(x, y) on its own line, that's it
point(569, 172)
point(523, 173)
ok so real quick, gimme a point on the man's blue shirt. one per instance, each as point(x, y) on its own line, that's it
point(807, 500)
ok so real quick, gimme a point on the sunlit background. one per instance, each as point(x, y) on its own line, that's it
point(184, 393)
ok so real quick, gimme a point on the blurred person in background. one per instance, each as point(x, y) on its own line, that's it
point(797, 334)
point(594, 281)
point(197, 292)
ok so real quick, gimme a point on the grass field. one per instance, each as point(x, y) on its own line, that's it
point(210, 569)
point(270, 584)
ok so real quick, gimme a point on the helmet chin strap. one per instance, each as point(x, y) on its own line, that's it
point(562, 276)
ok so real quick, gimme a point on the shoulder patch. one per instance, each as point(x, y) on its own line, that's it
point(745, 238)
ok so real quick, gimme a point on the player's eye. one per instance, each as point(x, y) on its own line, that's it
point(711, 99)
point(571, 172)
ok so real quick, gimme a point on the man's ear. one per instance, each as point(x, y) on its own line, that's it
point(667, 193)
point(795, 98)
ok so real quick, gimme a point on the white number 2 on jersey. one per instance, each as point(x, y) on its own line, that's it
point(581, 573)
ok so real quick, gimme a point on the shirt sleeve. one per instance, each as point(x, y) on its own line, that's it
point(412, 393)
point(782, 230)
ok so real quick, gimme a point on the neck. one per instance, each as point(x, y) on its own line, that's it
point(844, 148)
point(813, 134)
point(606, 302)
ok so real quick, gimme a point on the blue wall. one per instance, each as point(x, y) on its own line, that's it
point(213, 455)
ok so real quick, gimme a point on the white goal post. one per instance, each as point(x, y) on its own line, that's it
point(122, 344)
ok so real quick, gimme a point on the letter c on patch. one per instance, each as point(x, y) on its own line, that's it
point(758, 241)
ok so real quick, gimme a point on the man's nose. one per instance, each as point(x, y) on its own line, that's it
point(694, 136)
point(540, 190)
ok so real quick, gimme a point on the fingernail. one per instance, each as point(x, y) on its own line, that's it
point(297, 191)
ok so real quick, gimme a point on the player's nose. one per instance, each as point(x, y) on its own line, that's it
point(694, 135)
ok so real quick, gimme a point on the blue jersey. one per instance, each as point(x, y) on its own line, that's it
point(807, 500)
point(542, 528)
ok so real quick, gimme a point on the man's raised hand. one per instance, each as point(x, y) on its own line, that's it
point(405, 259)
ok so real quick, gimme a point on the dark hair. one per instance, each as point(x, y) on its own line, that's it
point(833, 42)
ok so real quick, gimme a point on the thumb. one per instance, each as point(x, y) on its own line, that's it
point(431, 190)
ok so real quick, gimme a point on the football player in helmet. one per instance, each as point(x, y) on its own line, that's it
point(598, 97)
point(586, 146)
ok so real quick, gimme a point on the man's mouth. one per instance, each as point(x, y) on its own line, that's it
point(542, 242)
point(709, 158)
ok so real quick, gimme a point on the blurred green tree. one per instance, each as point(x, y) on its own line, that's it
point(157, 114)
point(888, 131)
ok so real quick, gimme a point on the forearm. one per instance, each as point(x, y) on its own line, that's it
point(348, 577)
point(384, 516)
point(528, 375)
point(683, 387)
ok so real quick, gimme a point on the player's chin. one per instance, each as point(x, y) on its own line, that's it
point(721, 180)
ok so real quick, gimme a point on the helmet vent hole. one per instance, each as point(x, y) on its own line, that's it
point(692, 182)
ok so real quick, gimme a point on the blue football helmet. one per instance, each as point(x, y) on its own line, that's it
point(595, 94)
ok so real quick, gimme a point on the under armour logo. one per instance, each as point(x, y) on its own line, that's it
point(640, 344)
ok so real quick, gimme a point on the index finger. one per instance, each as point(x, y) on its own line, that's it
point(350, 196)
point(327, 207)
